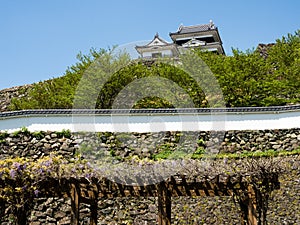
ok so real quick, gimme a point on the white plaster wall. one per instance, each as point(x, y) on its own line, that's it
point(155, 123)
point(163, 52)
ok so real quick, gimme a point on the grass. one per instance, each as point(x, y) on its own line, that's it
point(201, 154)
point(64, 133)
point(38, 134)
point(23, 130)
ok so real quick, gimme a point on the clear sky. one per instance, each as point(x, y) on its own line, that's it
point(40, 39)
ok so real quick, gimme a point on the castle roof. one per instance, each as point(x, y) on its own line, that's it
point(195, 28)
point(156, 41)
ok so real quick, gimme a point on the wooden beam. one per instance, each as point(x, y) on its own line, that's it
point(93, 207)
point(252, 213)
point(75, 201)
point(248, 207)
point(164, 205)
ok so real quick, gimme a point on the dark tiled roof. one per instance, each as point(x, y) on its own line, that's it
point(195, 28)
point(163, 42)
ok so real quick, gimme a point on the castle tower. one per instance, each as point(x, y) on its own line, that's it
point(204, 36)
point(157, 48)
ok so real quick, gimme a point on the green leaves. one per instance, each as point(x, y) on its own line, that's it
point(246, 79)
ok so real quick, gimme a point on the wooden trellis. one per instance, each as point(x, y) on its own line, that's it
point(90, 191)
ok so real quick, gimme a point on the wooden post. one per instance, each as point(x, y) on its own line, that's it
point(252, 213)
point(248, 208)
point(93, 207)
point(164, 205)
point(75, 201)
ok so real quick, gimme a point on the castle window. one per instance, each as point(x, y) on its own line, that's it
point(156, 55)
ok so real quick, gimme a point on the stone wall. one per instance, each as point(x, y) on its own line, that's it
point(7, 94)
point(124, 145)
point(284, 205)
point(260, 140)
point(35, 145)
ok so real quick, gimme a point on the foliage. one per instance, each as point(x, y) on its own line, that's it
point(23, 130)
point(261, 186)
point(3, 135)
point(38, 134)
point(201, 154)
point(64, 133)
point(19, 183)
point(137, 81)
point(21, 180)
point(246, 79)
point(57, 92)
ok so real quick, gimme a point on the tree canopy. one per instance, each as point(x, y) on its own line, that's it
point(245, 78)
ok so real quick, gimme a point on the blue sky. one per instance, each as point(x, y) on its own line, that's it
point(40, 39)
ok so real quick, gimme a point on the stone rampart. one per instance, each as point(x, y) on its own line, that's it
point(284, 205)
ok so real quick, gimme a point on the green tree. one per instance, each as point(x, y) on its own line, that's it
point(245, 78)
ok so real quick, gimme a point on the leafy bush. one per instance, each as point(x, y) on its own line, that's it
point(64, 133)
point(38, 134)
point(246, 79)
point(3, 135)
